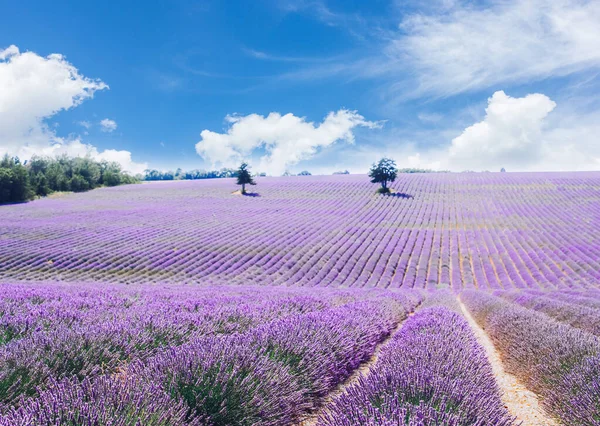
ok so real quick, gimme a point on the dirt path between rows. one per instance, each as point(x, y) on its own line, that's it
point(363, 370)
point(519, 400)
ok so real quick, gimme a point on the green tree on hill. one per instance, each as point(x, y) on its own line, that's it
point(244, 177)
point(383, 172)
point(14, 181)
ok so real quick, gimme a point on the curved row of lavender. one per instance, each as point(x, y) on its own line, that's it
point(478, 230)
point(54, 331)
point(582, 298)
point(558, 362)
point(570, 312)
point(156, 355)
point(432, 372)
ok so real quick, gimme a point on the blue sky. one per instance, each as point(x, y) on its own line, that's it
point(192, 84)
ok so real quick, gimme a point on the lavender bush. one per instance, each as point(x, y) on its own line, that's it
point(578, 388)
point(225, 382)
point(101, 401)
point(433, 372)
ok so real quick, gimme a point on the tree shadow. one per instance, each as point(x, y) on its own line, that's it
point(251, 194)
point(399, 195)
point(11, 203)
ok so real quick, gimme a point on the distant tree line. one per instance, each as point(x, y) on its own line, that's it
point(414, 170)
point(302, 173)
point(40, 176)
point(179, 174)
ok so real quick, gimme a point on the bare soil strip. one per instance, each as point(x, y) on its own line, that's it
point(363, 370)
point(519, 401)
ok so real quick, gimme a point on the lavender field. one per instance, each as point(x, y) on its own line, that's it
point(460, 299)
point(483, 230)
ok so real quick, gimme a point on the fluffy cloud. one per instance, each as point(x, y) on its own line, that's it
point(108, 125)
point(572, 144)
point(473, 47)
point(511, 132)
point(285, 139)
point(77, 148)
point(34, 88)
point(530, 133)
point(122, 157)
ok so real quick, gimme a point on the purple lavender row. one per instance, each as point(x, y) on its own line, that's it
point(558, 362)
point(98, 401)
point(271, 375)
point(278, 373)
point(433, 372)
point(583, 299)
point(585, 318)
point(53, 332)
point(442, 297)
point(26, 309)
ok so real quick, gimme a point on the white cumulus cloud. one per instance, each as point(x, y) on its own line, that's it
point(77, 148)
point(34, 88)
point(511, 132)
point(108, 125)
point(530, 133)
point(285, 139)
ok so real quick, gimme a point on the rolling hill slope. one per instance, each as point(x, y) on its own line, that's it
point(472, 230)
